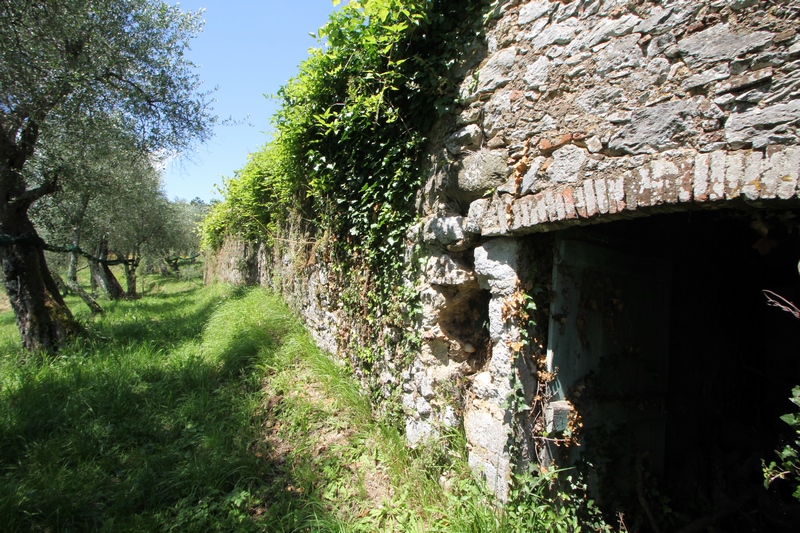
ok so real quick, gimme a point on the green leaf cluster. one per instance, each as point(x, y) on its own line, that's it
point(347, 154)
point(352, 125)
point(253, 198)
point(788, 464)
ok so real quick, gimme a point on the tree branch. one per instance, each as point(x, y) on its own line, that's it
point(24, 200)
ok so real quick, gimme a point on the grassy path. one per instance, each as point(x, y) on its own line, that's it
point(210, 409)
point(192, 409)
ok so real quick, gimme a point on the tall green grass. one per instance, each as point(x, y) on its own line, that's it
point(210, 409)
point(146, 424)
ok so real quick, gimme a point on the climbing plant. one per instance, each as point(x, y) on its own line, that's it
point(346, 154)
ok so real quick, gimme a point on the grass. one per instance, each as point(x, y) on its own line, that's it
point(210, 409)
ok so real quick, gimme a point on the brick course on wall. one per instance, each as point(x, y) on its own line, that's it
point(678, 181)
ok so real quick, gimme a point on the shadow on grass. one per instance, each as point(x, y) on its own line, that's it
point(131, 436)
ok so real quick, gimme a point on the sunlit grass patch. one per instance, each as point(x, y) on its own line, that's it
point(211, 409)
point(139, 424)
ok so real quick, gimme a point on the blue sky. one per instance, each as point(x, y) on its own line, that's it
point(248, 48)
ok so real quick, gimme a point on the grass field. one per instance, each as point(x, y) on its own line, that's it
point(210, 409)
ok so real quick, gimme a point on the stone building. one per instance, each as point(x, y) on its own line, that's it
point(599, 226)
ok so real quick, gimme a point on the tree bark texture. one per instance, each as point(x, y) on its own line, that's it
point(103, 276)
point(75, 287)
point(130, 277)
point(43, 319)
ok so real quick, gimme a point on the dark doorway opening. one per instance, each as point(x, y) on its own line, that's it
point(679, 443)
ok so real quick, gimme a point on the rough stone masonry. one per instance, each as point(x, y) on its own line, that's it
point(583, 112)
point(572, 112)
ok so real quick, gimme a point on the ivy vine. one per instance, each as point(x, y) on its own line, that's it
point(347, 153)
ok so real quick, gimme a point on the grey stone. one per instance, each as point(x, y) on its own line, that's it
point(652, 129)
point(432, 299)
point(484, 430)
point(621, 53)
point(660, 43)
point(470, 115)
point(620, 117)
point(530, 178)
point(468, 90)
point(496, 72)
point(672, 51)
point(450, 418)
point(577, 71)
point(482, 386)
point(577, 58)
point(565, 11)
point(607, 6)
point(533, 11)
point(536, 74)
point(718, 43)
point(600, 100)
point(444, 270)
point(417, 432)
point(481, 172)
point(467, 138)
point(509, 187)
point(718, 72)
point(757, 125)
point(658, 69)
point(422, 406)
point(594, 145)
point(709, 109)
point(546, 123)
point(604, 30)
point(656, 23)
point(744, 81)
point(492, 463)
point(567, 164)
point(770, 59)
point(445, 230)
point(408, 399)
point(738, 5)
point(752, 96)
point(554, 52)
point(556, 34)
point(534, 30)
point(475, 216)
point(496, 117)
point(496, 265)
point(684, 12)
point(725, 99)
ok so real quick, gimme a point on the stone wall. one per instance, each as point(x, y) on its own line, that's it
point(573, 112)
point(585, 112)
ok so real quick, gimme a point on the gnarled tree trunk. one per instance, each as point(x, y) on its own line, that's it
point(103, 276)
point(44, 320)
point(130, 276)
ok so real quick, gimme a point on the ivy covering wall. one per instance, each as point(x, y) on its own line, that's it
point(346, 156)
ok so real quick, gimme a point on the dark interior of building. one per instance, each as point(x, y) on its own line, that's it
point(733, 361)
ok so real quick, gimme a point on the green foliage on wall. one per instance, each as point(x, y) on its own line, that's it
point(349, 135)
point(347, 154)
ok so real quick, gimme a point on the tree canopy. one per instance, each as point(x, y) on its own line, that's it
point(67, 67)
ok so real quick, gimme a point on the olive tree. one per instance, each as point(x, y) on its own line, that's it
point(63, 62)
point(96, 165)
